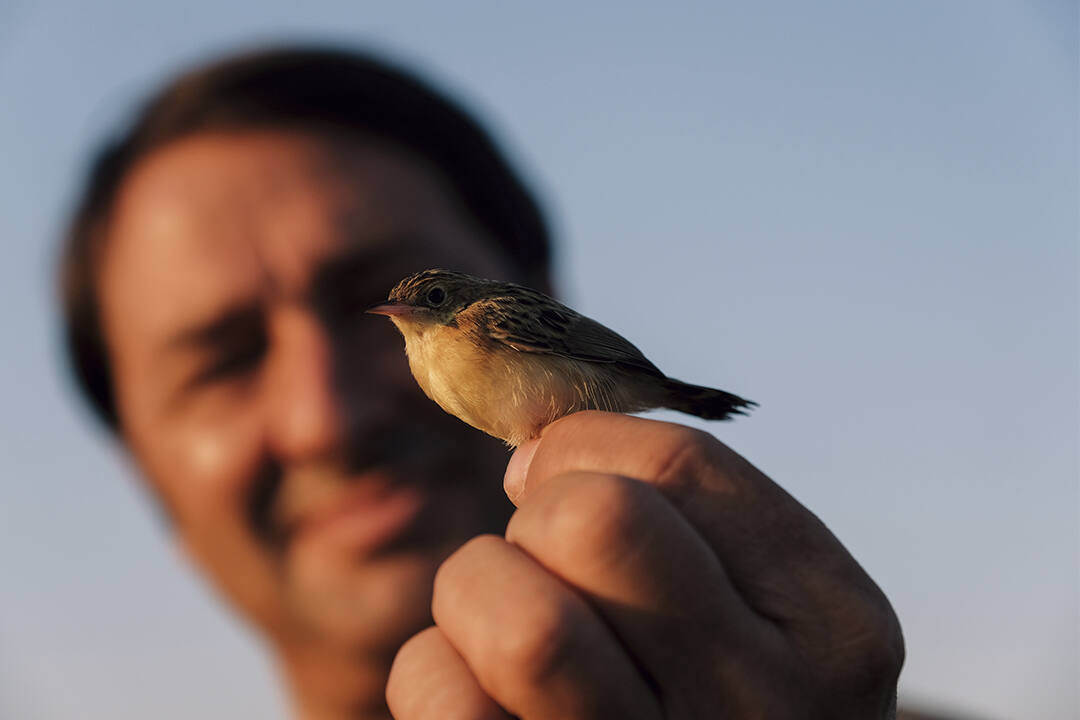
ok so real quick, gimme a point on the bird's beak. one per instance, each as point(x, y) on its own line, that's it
point(392, 310)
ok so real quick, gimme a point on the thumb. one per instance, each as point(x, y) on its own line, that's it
point(517, 470)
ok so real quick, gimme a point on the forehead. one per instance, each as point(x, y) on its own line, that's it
point(268, 204)
point(214, 220)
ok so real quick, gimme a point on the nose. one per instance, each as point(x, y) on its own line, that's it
point(307, 413)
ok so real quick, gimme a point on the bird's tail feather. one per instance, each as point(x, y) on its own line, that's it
point(704, 402)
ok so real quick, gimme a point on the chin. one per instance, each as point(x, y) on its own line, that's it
point(372, 597)
point(371, 608)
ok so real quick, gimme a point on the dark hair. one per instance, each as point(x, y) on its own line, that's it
point(307, 89)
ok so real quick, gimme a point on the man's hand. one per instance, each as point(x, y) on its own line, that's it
point(649, 572)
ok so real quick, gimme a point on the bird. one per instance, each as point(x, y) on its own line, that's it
point(510, 360)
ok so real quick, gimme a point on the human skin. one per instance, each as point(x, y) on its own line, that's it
point(647, 571)
point(304, 472)
point(650, 572)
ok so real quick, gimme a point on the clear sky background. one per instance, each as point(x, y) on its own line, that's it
point(862, 215)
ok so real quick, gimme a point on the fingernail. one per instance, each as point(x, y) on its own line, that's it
point(518, 469)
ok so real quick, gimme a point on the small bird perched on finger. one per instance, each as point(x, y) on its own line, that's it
point(509, 360)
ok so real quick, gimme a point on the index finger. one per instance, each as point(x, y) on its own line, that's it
point(779, 556)
point(652, 451)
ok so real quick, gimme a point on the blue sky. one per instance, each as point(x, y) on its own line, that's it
point(863, 216)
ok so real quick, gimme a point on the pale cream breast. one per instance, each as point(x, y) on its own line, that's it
point(505, 392)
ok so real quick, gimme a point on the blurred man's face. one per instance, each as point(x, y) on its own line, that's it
point(303, 469)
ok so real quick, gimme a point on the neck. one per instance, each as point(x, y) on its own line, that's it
point(333, 684)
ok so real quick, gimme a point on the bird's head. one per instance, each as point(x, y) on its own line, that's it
point(432, 297)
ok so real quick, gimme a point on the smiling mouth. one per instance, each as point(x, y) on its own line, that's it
point(366, 515)
point(367, 500)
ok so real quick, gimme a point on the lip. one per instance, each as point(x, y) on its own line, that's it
point(366, 517)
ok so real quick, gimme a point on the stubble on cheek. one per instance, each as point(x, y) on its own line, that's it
point(372, 603)
point(206, 478)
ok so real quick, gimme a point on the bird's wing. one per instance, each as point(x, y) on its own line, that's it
point(551, 327)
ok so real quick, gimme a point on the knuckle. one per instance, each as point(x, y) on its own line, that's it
point(574, 422)
point(687, 453)
point(420, 687)
point(872, 651)
point(882, 647)
point(453, 575)
point(538, 645)
point(477, 548)
point(413, 649)
point(599, 512)
point(407, 665)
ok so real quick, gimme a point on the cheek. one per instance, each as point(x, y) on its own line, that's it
point(373, 370)
point(204, 470)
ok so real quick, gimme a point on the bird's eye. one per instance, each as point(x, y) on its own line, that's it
point(436, 296)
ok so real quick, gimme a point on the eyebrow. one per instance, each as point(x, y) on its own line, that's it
point(332, 272)
point(358, 262)
point(221, 329)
